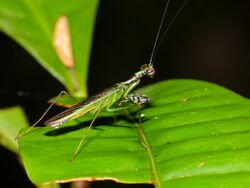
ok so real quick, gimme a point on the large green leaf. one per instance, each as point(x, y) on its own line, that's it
point(31, 23)
point(11, 121)
point(194, 134)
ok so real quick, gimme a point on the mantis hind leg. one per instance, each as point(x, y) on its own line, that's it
point(40, 119)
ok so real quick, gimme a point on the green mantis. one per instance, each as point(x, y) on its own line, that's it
point(104, 100)
point(117, 94)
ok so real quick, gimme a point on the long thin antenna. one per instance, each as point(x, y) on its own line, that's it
point(155, 48)
point(170, 24)
point(158, 33)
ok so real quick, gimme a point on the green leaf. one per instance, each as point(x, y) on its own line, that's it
point(31, 24)
point(194, 134)
point(11, 121)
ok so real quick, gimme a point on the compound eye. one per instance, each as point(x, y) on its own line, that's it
point(151, 72)
point(144, 67)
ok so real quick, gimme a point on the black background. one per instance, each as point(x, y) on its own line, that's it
point(209, 40)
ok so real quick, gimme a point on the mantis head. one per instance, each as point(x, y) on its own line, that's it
point(148, 69)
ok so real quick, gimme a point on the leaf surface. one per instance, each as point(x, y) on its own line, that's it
point(193, 134)
point(11, 121)
point(31, 24)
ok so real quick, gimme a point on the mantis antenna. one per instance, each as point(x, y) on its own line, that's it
point(158, 34)
point(158, 42)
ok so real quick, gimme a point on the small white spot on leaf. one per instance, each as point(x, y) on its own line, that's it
point(62, 41)
point(184, 100)
point(201, 164)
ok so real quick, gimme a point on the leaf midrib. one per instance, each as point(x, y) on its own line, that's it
point(145, 144)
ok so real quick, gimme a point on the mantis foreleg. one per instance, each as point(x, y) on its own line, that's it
point(137, 99)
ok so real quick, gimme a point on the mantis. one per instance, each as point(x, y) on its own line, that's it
point(117, 94)
point(104, 100)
